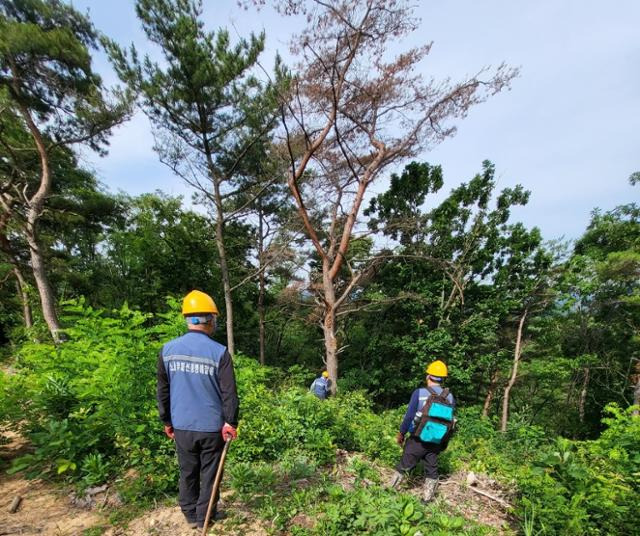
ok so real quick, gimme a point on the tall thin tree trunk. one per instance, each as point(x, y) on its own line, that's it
point(636, 391)
point(261, 282)
point(226, 282)
point(331, 347)
point(329, 330)
point(583, 393)
point(21, 286)
point(261, 318)
point(280, 337)
point(217, 200)
point(45, 290)
point(514, 373)
point(493, 386)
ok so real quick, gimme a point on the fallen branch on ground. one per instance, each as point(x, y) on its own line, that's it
point(502, 502)
point(492, 497)
point(15, 504)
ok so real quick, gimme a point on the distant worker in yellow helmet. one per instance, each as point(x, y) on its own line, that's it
point(321, 386)
point(198, 403)
point(429, 421)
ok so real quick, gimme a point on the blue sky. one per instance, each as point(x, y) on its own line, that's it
point(569, 129)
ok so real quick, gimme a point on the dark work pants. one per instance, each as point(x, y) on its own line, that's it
point(198, 457)
point(416, 450)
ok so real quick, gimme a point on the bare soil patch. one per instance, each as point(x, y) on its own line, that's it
point(44, 509)
point(169, 520)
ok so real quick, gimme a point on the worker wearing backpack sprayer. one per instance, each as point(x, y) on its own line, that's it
point(429, 421)
point(198, 404)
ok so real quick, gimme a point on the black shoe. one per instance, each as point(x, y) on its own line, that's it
point(215, 516)
point(201, 523)
point(190, 521)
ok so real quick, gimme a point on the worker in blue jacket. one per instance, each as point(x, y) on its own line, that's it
point(414, 448)
point(321, 386)
point(198, 403)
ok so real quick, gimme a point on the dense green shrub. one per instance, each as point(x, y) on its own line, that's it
point(88, 405)
point(373, 510)
point(329, 508)
point(88, 408)
point(568, 487)
point(588, 487)
point(276, 421)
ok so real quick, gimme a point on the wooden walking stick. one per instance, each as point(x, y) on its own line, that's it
point(216, 485)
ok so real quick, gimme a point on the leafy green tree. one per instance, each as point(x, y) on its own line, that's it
point(207, 109)
point(11, 301)
point(80, 215)
point(274, 244)
point(16, 166)
point(161, 246)
point(524, 281)
point(602, 310)
point(441, 280)
point(398, 212)
point(46, 76)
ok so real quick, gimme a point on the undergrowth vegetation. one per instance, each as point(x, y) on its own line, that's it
point(88, 408)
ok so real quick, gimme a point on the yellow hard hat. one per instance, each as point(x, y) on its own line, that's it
point(438, 368)
point(325, 374)
point(197, 302)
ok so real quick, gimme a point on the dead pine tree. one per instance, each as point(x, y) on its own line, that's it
point(350, 113)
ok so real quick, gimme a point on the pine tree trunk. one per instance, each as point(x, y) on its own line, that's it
point(34, 211)
point(45, 290)
point(329, 329)
point(224, 269)
point(21, 286)
point(261, 320)
point(583, 393)
point(493, 385)
point(226, 283)
point(514, 373)
point(261, 284)
point(331, 348)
